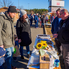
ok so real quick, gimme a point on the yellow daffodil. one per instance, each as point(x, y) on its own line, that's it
point(39, 45)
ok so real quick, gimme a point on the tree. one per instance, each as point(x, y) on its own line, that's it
point(5, 3)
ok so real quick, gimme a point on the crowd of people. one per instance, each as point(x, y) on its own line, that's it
point(60, 31)
point(36, 18)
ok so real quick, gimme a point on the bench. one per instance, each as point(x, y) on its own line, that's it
point(47, 24)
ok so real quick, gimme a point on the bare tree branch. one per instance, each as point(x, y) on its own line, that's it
point(5, 3)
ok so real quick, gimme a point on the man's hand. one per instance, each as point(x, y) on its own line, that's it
point(55, 35)
point(2, 46)
point(19, 40)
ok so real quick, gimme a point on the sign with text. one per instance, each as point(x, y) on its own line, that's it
point(57, 3)
point(53, 9)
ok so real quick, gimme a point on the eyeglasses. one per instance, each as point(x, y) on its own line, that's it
point(61, 13)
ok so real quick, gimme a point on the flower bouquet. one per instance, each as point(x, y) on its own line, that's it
point(41, 45)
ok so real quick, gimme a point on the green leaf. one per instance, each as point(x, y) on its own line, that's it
point(43, 47)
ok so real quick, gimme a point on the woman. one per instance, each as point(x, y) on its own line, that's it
point(23, 32)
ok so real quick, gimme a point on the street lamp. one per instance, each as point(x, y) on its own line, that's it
point(28, 5)
point(28, 8)
point(18, 3)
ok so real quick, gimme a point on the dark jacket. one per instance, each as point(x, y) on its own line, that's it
point(55, 25)
point(6, 31)
point(31, 17)
point(41, 19)
point(23, 33)
point(44, 19)
point(63, 34)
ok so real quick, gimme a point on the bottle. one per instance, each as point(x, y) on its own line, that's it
point(44, 58)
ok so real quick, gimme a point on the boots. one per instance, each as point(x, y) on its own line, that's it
point(14, 67)
point(22, 57)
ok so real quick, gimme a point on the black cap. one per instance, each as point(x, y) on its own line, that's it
point(12, 9)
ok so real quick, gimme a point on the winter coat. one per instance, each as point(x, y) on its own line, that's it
point(31, 17)
point(55, 25)
point(6, 31)
point(44, 19)
point(63, 34)
point(36, 19)
point(23, 33)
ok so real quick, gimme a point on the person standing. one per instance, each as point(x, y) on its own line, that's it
point(36, 20)
point(46, 18)
point(63, 36)
point(42, 24)
point(31, 19)
point(23, 32)
point(55, 29)
point(7, 34)
point(51, 18)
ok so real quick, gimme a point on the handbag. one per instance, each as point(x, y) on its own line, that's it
point(17, 51)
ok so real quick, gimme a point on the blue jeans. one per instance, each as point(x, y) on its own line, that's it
point(8, 57)
point(27, 49)
point(36, 24)
point(42, 24)
point(31, 22)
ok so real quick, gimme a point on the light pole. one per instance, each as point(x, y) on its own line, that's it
point(18, 4)
point(28, 8)
point(28, 5)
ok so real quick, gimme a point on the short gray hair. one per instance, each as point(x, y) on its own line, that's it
point(64, 10)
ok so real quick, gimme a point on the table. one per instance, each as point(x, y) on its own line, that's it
point(47, 24)
point(38, 67)
point(35, 61)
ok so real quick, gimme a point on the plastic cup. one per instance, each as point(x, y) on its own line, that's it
point(56, 63)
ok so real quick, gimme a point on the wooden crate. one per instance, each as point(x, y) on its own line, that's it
point(44, 64)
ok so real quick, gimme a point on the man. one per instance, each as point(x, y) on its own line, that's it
point(55, 29)
point(36, 20)
point(51, 18)
point(31, 19)
point(63, 36)
point(7, 34)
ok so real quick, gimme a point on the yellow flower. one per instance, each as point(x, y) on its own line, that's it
point(44, 44)
point(39, 45)
point(43, 41)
